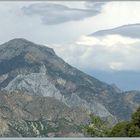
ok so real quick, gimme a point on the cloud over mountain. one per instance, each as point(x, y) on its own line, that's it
point(104, 52)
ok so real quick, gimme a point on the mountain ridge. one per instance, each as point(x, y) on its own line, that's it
point(38, 72)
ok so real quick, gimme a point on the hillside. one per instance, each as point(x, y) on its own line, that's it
point(37, 85)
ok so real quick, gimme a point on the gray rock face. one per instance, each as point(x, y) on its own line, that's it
point(24, 115)
point(39, 84)
point(36, 70)
point(95, 106)
point(16, 47)
point(35, 84)
point(3, 77)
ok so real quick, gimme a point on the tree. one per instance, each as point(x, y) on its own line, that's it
point(120, 130)
point(97, 127)
point(134, 131)
point(128, 129)
point(136, 118)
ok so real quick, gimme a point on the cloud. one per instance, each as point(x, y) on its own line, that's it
point(107, 41)
point(130, 30)
point(110, 52)
point(56, 13)
point(95, 5)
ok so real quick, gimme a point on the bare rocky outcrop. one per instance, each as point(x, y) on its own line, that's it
point(41, 84)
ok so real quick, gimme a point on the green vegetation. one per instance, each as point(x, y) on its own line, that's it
point(98, 128)
point(128, 129)
point(120, 130)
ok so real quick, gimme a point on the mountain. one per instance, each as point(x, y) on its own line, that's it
point(125, 80)
point(23, 115)
point(42, 95)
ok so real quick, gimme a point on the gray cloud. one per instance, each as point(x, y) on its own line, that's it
point(130, 30)
point(52, 13)
point(95, 5)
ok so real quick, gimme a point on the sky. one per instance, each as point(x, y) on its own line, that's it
point(92, 36)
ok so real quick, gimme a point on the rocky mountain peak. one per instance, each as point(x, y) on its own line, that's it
point(19, 40)
point(23, 47)
point(37, 71)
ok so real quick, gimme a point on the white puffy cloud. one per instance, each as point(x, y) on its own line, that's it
point(105, 52)
point(110, 52)
point(108, 40)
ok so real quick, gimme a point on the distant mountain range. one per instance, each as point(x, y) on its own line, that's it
point(125, 80)
point(42, 95)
